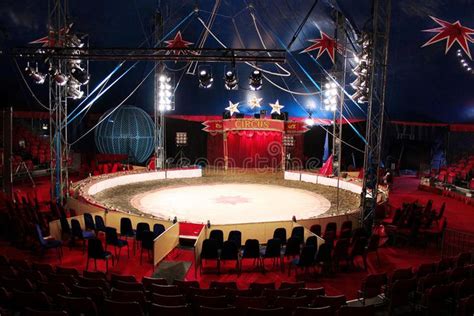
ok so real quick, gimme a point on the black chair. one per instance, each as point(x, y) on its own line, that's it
point(217, 235)
point(78, 233)
point(358, 249)
point(218, 311)
point(264, 311)
point(210, 251)
point(273, 251)
point(331, 227)
point(46, 244)
point(292, 247)
point(158, 229)
point(312, 241)
point(89, 222)
point(230, 251)
point(280, 233)
point(236, 237)
point(33, 312)
point(252, 251)
point(99, 224)
point(65, 228)
point(183, 310)
point(111, 238)
point(298, 232)
point(122, 308)
point(341, 252)
point(141, 228)
point(305, 260)
point(147, 244)
point(323, 258)
point(316, 229)
point(77, 305)
point(316, 311)
point(96, 251)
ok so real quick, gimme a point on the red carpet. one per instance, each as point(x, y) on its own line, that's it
point(190, 229)
point(459, 215)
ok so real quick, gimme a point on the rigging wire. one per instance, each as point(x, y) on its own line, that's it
point(28, 86)
point(116, 108)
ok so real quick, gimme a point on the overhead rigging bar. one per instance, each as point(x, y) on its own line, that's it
point(153, 54)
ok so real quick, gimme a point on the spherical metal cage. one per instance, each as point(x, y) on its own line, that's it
point(129, 130)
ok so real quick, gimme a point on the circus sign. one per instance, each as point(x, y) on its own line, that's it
point(219, 126)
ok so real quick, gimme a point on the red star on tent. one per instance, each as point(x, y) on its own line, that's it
point(452, 32)
point(178, 42)
point(49, 41)
point(323, 44)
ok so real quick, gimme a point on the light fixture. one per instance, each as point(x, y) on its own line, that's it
point(60, 79)
point(309, 120)
point(80, 74)
point(34, 74)
point(230, 79)
point(330, 95)
point(255, 80)
point(165, 93)
point(205, 77)
point(74, 91)
point(361, 70)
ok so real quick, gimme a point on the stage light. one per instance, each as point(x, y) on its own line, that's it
point(255, 80)
point(289, 140)
point(361, 70)
point(205, 78)
point(74, 91)
point(309, 121)
point(181, 139)
point(165, 93)
point(80, 74)
point(330, 95)
point(230, 80)
point(34, 74)
point(60, 79)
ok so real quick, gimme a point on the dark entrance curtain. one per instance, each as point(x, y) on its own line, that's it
point(215, 150)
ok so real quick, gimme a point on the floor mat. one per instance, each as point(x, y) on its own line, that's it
point(172, 270)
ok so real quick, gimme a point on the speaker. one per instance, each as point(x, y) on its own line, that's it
point(256, 115)
point(263, 113)
point(226, 115)
point(239, 115)
point(276, 116)
point(285, 116)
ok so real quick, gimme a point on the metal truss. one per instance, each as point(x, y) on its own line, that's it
point(375, 111)
point(153, 54)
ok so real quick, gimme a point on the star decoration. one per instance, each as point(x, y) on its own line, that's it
point(231, 199)
point(323, 44)
point(452, 33)
point(50, 40)
point(233, 108)
point(178, 42)
point(255, 102)
point(276, 107)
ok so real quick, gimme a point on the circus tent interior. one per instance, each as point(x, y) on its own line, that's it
point(248, 157)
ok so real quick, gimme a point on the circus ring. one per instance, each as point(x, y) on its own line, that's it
point(255, 203)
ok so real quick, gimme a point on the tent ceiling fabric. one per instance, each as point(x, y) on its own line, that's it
point(424, 84)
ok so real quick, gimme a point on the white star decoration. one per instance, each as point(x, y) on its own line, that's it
point(255, 102)
point(276, 107)
point(233, 108)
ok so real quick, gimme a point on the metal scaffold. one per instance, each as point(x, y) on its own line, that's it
point(375, 112)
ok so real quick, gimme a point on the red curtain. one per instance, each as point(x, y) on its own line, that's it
point(215, 150)
point(253, 149)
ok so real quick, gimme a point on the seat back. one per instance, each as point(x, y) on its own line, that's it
point(147, 239)
point(356, 311)
point(373, 285)
point(95, 249)
point(324, 253)
point(312, 293)
point(251, 249)
point(292, 246)
point(99, 223)
point(168, 300)
point(39, 235)
point(65, 228)
point(217, 311)
point(141, 228)
point(126, 228)
point(217, 235)
point(265, 311)
point(122, 308)
point(111, 237)
point(77, 305)
point(165, 289)
point(258, 288)
point(128, 296)
point(236, 237)
point(273, 249)
point(307, 255)
point(147, 282)
point(158, 229)
point(89, 221)
point(280, 233)
point(129, 286)
point(182, 310)
point(316, 229)
point(313, 311)
point(229, 251)
point(298, 232)
point(76, 228)
point(210, 249)
point(334, 301)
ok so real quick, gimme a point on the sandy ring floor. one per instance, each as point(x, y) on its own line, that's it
point(231, 203)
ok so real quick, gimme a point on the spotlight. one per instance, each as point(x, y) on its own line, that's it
point(80, 75)
point(255, 80)
point(230, 80)
point(74, 92)
point(181, 139)
point(205, 78)
point(361, 70)
point(309, 121)
point(35, 75)
point(60, 79)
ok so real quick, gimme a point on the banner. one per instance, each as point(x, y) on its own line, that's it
point(219, 126)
